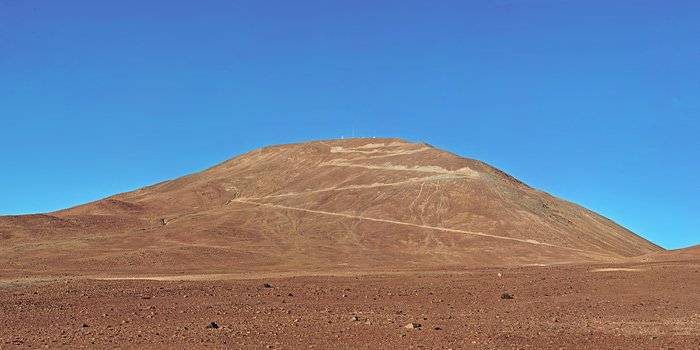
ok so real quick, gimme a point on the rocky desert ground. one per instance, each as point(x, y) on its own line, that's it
point(652, 305)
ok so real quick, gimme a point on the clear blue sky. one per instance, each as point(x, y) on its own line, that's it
point(597, 102)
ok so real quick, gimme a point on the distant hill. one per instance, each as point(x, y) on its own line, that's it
point(685, 254)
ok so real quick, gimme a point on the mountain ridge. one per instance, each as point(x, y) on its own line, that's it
point(340, 204)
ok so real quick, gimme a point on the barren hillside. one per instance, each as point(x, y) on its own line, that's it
point(322, 206)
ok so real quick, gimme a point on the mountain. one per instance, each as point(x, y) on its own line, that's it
point(340, 205)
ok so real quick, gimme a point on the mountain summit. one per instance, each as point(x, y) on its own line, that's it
point(353, 204)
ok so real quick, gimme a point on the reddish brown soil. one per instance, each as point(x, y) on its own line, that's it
point(642, 306)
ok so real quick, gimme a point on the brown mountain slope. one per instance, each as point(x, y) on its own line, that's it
point(685, 254)
point(354, 204)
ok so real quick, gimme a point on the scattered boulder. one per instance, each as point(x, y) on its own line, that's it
point(413, 325)
point(506, 296)
point(212, 325)
point(355, 318)
point(266, 285)
point(84, 325)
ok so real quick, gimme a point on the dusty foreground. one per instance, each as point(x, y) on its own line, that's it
point(642, 306)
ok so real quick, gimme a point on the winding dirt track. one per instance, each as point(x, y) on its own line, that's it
point(352, 187)
point(350, 216)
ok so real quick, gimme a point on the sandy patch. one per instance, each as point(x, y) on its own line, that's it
point(612, 269)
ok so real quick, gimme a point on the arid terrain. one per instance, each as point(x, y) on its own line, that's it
point(341, 244)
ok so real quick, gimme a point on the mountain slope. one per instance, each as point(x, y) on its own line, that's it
point(354, 204)
point(691, 253)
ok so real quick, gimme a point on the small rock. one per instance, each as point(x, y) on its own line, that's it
point(413, 325)
point(437, 328)
point(355, 318)
point(506, 296)
point(266, 285)
point(500, 274)
point(212, 325)
point(84, 325)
